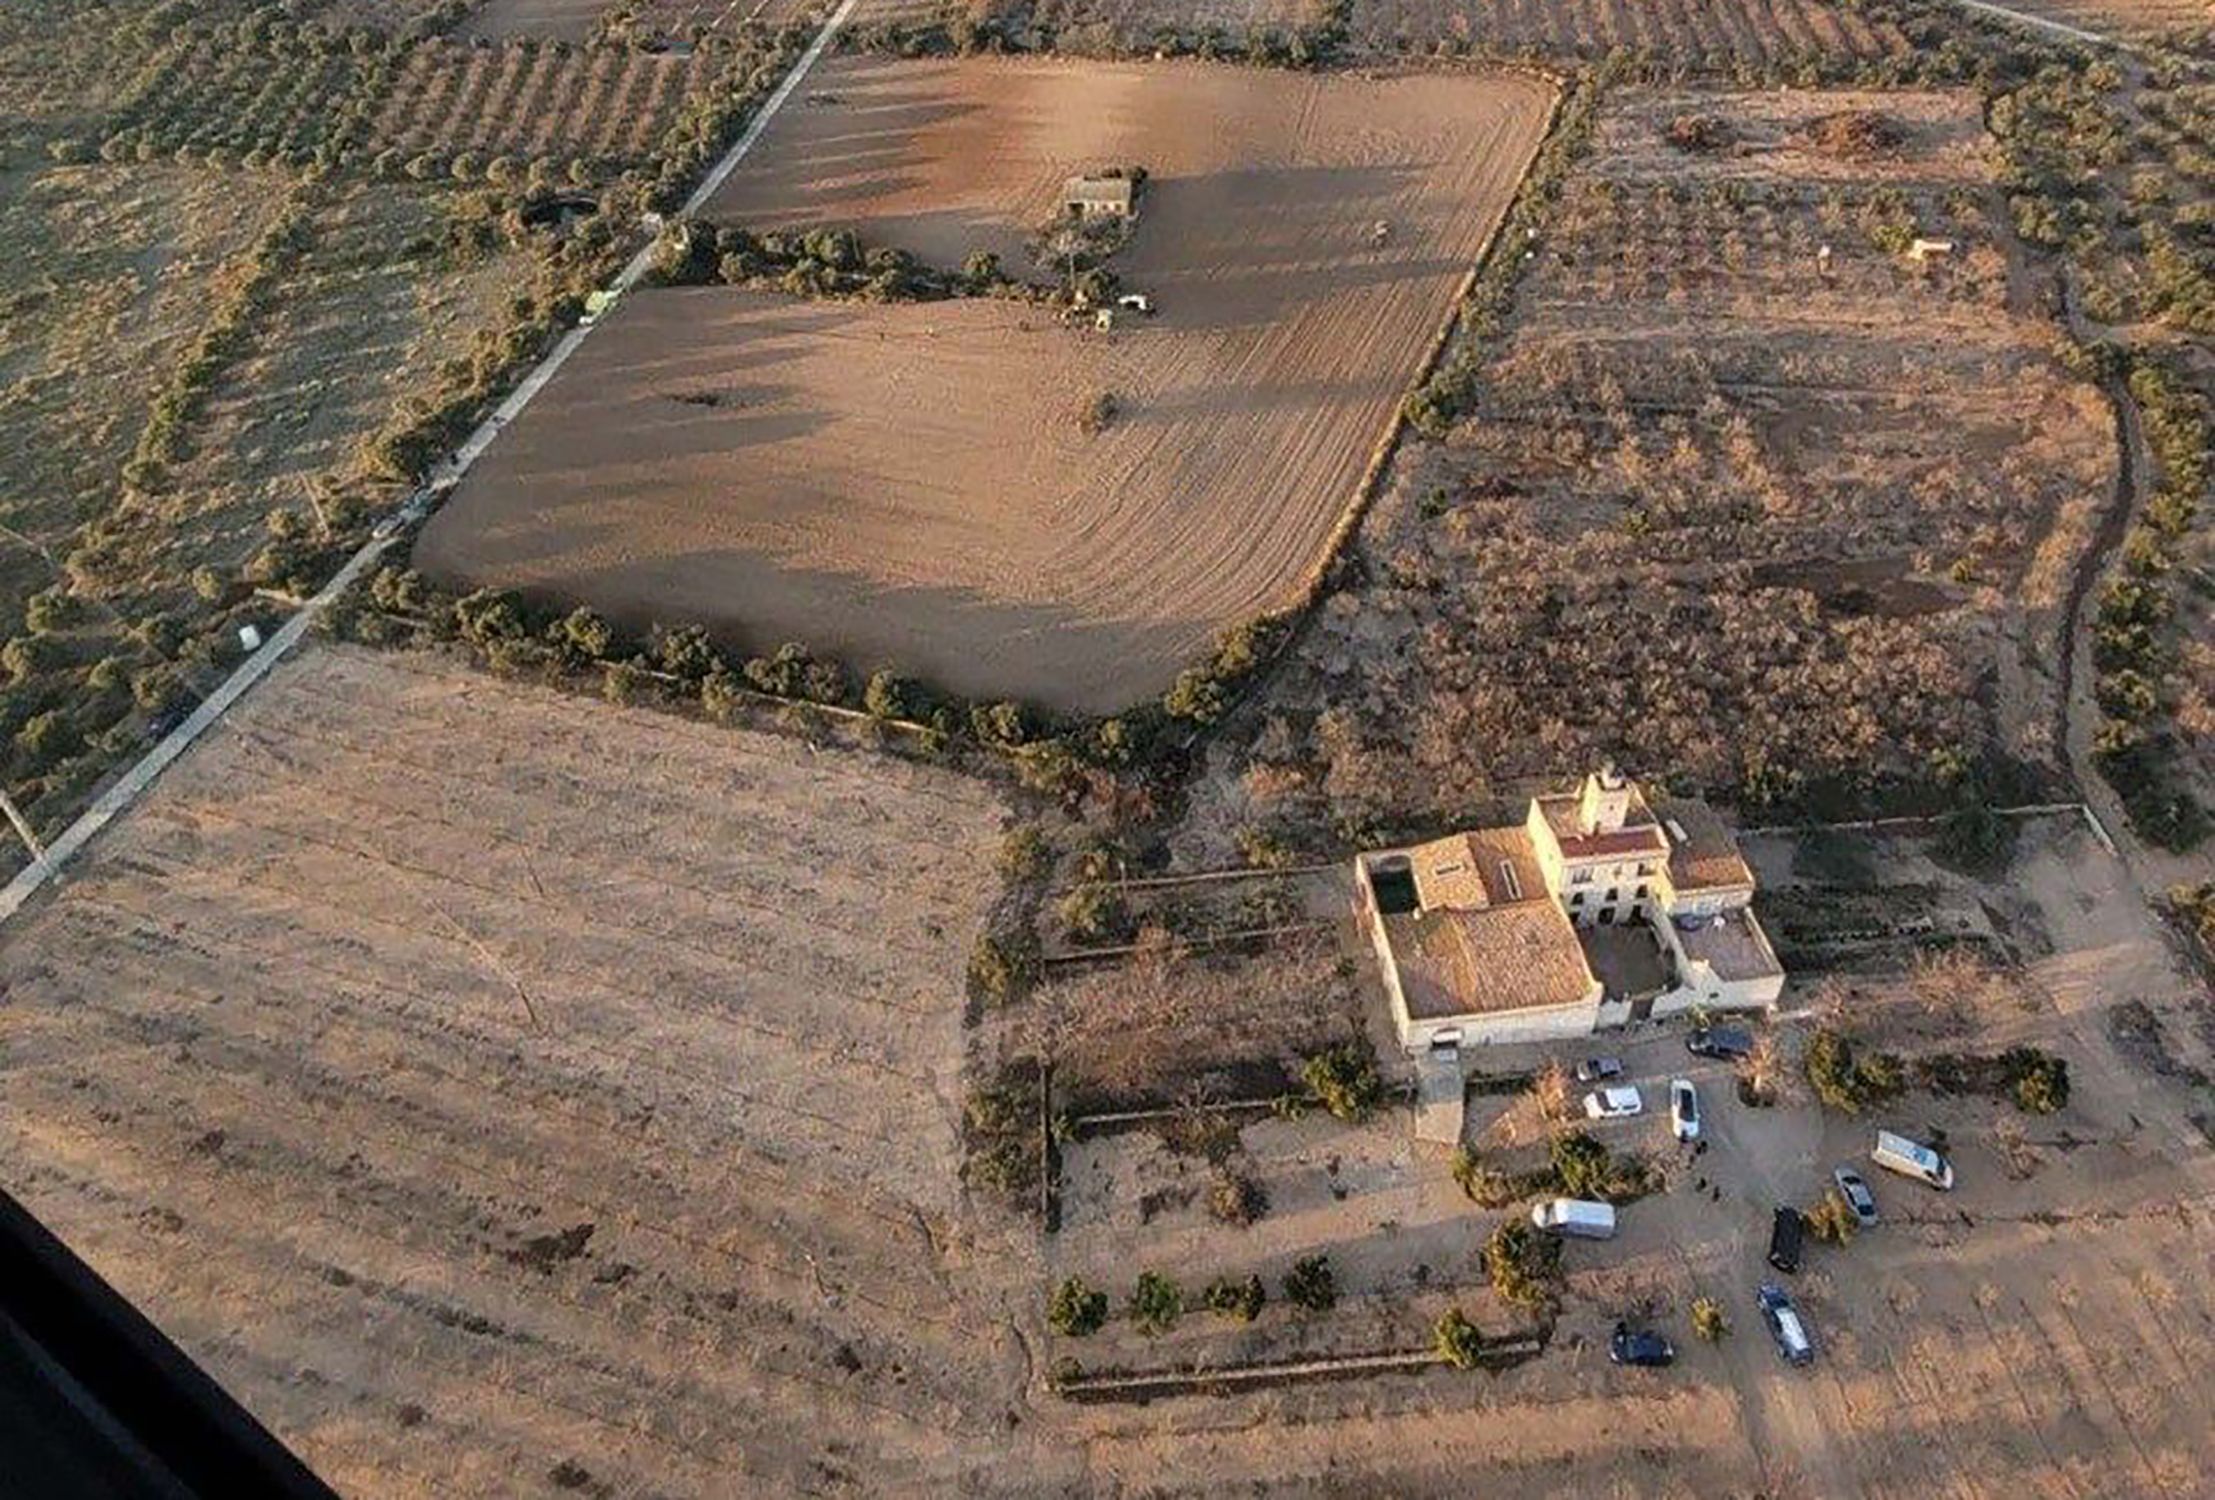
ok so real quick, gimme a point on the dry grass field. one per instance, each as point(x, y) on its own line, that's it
point(374, 307)
point(1721, 505)
point(914, 484)
point(110, 274)
point(483, 1081)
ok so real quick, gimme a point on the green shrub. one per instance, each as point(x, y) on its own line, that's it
point(1311, 1284)
point(1457, 1340)
point(1156, 1303)
point(2038, 1082)
point(1709, 1321)
point(1236, 1198)
point(1076, 1309)
point(1831, 1221)
point(1522, 1263)
point(887, 695)
point(1002, 969)
point(1344, 1081)
point(1092, 911)
point(1024, 853)
point(1239, 1300)
point(1844, 1079)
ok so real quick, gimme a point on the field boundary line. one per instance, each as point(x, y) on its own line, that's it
point(1911, 820)
point(128, 787)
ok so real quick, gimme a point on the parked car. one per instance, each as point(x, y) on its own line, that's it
point(1727, 1042)
point(1137, 302)
point(1684, 1109)
point(1785, 1325)
point(1857, 1195)
point(1896, 1153)
point(1599, 1069)
point(1579, 1218)
point(1630, 1347)
point(1613, 1104)
point(1786, 1232)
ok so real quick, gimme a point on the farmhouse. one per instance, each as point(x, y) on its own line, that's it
point(1602, 907)
point(1099, 197)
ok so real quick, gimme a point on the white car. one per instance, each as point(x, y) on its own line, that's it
point(1613, 1104)
point(1684, 1109)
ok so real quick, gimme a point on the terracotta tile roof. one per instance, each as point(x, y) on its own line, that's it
point(1465, 963)
point(1705, 856)
point(1483, 867)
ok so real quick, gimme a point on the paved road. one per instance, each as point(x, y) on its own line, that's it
point(127, 789)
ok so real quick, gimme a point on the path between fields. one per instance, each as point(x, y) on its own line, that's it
point(128, 787)
point(2040, 23)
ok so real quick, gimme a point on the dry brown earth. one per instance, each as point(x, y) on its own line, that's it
point(409, 973)
point(328, 1054)
point(912, 484)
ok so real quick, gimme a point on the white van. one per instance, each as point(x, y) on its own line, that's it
point(1576, 1216)
point(1896, 1153)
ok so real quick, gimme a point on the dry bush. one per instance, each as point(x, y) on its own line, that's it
point(1551, 1091)
point(2012, 1144)
point(1857, 133)
point(1764, 1076)
point(1236, 1197)
point(1699, 133)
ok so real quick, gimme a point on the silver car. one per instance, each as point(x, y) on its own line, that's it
point(1856, 1192)
point(1684, 1109)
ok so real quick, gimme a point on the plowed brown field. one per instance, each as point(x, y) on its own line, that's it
point(912, 484)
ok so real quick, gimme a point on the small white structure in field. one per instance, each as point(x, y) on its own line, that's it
point(1822, 261)
point(1137, 302)
point(1922, 250)
point(249, 639)
point(1099, 197)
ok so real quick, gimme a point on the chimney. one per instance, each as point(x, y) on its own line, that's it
point(1606, 801)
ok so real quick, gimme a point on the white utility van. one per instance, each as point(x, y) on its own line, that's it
point(1576, 1216)
point(1896, 1153)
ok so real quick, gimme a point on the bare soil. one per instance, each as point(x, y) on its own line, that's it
point(914, 484)
point(479, 1080)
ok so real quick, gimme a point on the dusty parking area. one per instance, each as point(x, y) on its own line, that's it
point(480, 1080)
point(2025, 1334)
point(916, 484)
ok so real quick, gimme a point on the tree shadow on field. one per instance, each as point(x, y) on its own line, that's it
point(954, 637)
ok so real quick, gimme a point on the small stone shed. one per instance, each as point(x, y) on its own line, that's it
point(1099, 197)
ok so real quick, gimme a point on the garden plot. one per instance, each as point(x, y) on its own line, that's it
point(917, 484)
